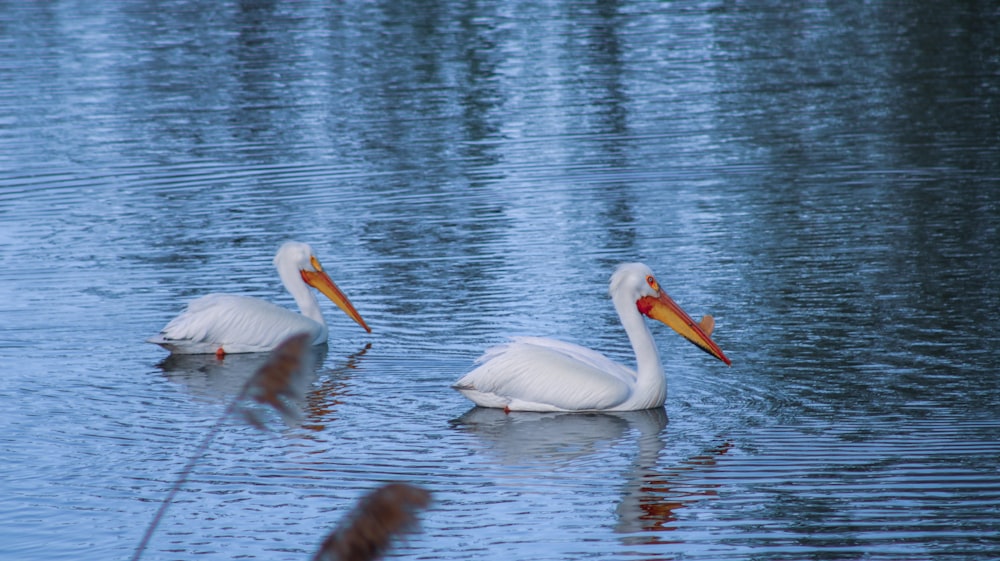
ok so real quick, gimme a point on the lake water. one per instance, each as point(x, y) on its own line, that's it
point(823, 179)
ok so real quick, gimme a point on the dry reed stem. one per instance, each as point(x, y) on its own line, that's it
point(366, 533)
point(281, 383)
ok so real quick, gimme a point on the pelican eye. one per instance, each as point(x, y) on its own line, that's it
point(652, 282)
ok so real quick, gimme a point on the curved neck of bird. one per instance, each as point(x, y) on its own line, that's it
point(649, 369)
point(304, 297)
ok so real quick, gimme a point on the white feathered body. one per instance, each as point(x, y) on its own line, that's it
point(236, 324)
point(539, 374)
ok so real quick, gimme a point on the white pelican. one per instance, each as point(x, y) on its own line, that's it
point(536, 374)
point(228, 323)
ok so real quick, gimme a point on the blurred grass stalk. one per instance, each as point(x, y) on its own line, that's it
point(281, 383)
point(367, 532)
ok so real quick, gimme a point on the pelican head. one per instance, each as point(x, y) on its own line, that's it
point(636, 283)
point(296, 263)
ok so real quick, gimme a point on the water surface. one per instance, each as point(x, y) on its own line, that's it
point(824, 181)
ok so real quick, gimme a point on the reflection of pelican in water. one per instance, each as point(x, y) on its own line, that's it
point(325, 396)
point(206, 377)
point(648, 499)
point(530, 437)
point(652, 494)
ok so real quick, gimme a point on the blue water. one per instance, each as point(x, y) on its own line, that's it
point(824, 180)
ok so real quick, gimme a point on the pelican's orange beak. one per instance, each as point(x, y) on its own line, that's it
point(321, 282)
point(662, 308)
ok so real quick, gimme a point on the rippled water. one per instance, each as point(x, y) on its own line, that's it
point(824, 180)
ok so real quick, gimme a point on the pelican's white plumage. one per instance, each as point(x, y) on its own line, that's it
point(228, 323)
point(537, 374)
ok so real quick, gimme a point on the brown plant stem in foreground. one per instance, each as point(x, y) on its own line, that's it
point(366, 533)
point(280, 383)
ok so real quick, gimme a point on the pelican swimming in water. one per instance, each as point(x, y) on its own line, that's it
point(227, 323)
point(536, 374)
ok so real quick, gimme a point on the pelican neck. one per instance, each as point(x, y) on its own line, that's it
point(304, 298)
point(651, 383)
